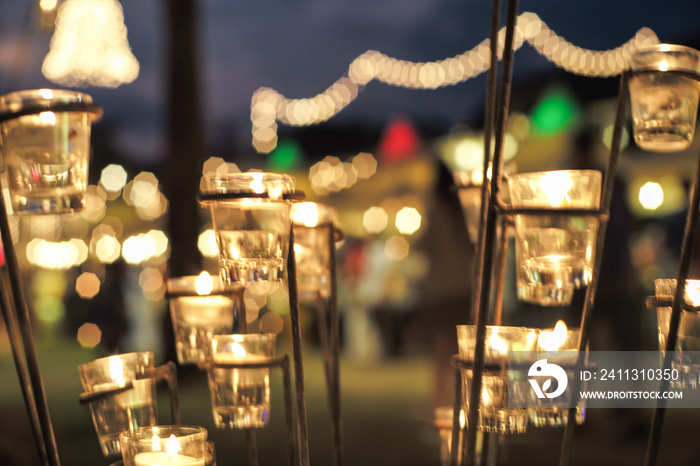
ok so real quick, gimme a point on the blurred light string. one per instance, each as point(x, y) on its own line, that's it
point(269, 106)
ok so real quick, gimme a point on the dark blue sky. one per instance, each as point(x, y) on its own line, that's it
point(300, 47)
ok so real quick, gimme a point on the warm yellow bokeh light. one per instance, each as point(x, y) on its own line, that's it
point(89, 335)
point(87, 285)
point(135, 250)
point(113, 178)
point(107, 249)
point(408, 220)
point(651, 195)
point(206, 243)
point(396, 248)
point(375, 219)
point(89, 46)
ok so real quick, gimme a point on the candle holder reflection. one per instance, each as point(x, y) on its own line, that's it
point(554, 252)
point(495, 415)
point(559, 346)
point(443, 423)
point(688, 342)
point(45, 138)
point(166, 445)
point(251, 218)
point(132, 401)
point(664, 103)
point(200, 306)
point(240, 397)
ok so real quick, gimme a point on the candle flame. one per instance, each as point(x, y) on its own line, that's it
point(692, 291)
point(498, 344)
point(556, 186)
point(156, 442)
point(172, 446)
point(116, 370)
point(553, 340)
point(238, 350)
point(204, 284)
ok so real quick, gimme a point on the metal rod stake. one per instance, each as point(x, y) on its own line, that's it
point(302, 425)
point(9, 314)
point(20, 306)
point(489, 234)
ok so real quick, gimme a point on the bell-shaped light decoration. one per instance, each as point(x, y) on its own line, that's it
point(89, 46)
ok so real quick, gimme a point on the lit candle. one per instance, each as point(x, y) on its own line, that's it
point(170, 457)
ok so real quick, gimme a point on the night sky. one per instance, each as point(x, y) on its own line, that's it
point(300, 47)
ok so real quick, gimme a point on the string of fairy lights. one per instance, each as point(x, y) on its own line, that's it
point(269, 106)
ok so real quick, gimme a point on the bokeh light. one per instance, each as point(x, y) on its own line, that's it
point(375, 220)
point(87, 285)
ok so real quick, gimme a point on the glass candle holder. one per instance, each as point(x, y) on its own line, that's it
point(128, 410)
point(46, 153)
point(200, 306)
point(559, 345)
point(165, 446)
point(468, 184)
point(664, 105)
point(240, 397)
point(554, 252)
point(252, 221)
point(688, 342)
point(311, 223)
point(495, 415)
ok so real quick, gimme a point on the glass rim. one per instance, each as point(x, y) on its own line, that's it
point(528, 175)
point(99, 361)
point(32, 101)
point(635, 65)
point(239, 337)
point(228, 183)
point(187, 431)
point(501, 328)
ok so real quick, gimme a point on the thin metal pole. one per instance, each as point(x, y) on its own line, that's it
point(302, 424)
point(9, 314)
point(288, 414)
point(251, 445)
point(456, 425)
point(334, 331)
point(20, 306)
point(490, 232)
point(687, 248)
point(489, 113)
point(587, 313)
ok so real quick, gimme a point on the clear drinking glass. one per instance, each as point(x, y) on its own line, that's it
point(558, 345)
point(312, 248)
point(128, 410)
point(252, 221)
point(165, 446)
point(240, 397)
point(494, 414)
point(46, 153)
point(554, 252)
point(664, 105)
point(688, 342)
point(200, 306)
